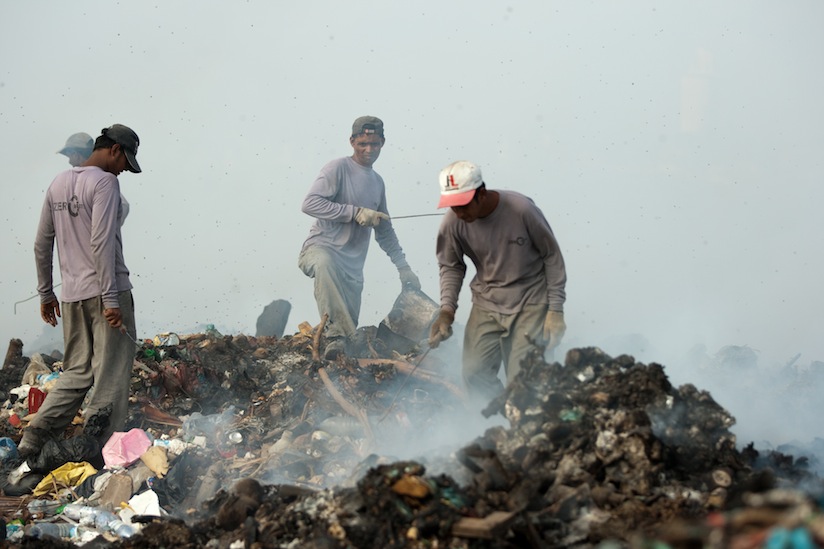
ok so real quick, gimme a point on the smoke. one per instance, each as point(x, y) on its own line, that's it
point(675, 156)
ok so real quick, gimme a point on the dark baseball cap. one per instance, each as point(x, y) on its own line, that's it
point(128, 141)
point(368, 125)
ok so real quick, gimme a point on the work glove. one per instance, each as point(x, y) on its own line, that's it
point(409, 279)
point(441, 329)
point(369, 218)
point(554, 328)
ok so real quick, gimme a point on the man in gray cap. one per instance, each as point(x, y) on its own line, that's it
point(80, 214)
point(518, 292)
point(78, 148)
point(348, 201)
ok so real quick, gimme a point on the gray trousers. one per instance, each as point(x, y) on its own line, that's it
point(96, 356)
point(336, 293)
point(491, 338)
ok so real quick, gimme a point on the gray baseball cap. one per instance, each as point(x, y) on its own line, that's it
point(128, 140)
point(368, 125)
point(78, 142)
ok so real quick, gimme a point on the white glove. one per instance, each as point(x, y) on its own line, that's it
point(369, 218)
point(441, 329)
point(554, 328)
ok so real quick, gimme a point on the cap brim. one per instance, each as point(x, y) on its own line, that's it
point(456, 199)
point(134, 167)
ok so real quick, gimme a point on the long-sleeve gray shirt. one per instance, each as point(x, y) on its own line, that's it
point(333, 199)
point(81, 213)
point(516, 257)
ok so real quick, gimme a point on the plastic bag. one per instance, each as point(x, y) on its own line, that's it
point(123, 449)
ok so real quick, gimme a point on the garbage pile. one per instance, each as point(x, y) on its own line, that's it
point(240, 441)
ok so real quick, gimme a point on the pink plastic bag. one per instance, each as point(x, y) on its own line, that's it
point(123, 449)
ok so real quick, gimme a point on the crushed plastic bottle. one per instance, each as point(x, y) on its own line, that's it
point(198, 424)
point(45, 507)
point(99, 518)
point(53, 529)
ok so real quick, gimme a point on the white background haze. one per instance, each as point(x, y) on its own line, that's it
point(676, 149)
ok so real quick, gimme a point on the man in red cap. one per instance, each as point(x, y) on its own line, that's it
point(518, 290)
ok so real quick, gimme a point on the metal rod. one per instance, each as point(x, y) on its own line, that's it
point(32, 297)
point(392, 404)
point(125, 332)
point(417, 215)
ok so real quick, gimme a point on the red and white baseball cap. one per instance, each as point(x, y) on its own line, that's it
point(458, 183)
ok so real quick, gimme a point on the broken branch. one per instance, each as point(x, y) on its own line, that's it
point(357, 413)
point(406, 368)
point(316, 339)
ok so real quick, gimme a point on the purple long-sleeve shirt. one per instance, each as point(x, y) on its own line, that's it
point(333, 200)
point(517, 259)
point(81, 214)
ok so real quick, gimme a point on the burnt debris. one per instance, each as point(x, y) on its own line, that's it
point(270, 446)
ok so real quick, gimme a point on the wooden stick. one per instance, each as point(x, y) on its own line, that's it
point(316, 339)
point(155, 415)
point(489, 527)
point(357, 413)
point(422, 374)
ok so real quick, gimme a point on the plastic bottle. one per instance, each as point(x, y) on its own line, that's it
point(99, 518)
point(198, 424)
point(43, 506)
point(121, 529)
point(85, 514)
point(212, 332)
point(53, 529)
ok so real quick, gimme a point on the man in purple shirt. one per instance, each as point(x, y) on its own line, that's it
point(518, 292)
point(80, 214)
point(348, 201)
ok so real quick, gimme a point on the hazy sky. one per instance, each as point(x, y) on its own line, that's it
point(674, 147)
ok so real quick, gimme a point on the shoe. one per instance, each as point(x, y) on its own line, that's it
point(32, 441)
point(335, 347)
